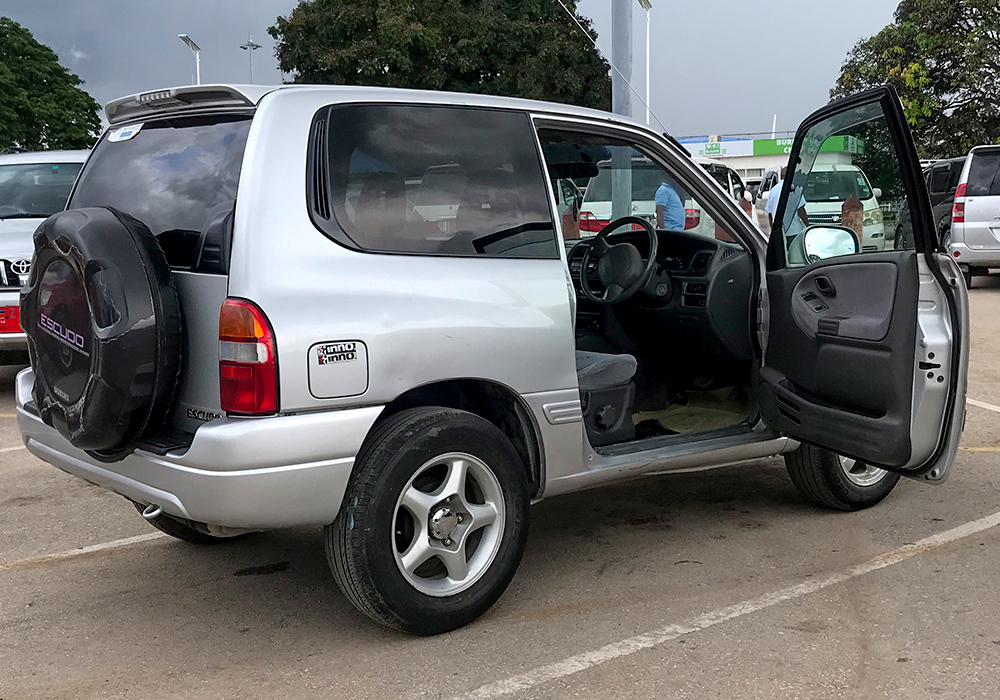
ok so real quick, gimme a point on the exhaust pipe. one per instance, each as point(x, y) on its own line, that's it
point(151, 511)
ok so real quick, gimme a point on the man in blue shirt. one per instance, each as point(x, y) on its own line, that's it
point(669, 208)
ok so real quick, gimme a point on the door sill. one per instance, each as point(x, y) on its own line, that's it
point(658, 442)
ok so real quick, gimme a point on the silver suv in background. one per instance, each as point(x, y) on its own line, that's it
point(33, 186)
point(357, 307)
point(975, 214)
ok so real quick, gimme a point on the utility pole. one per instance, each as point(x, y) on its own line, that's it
point(197, 55)
point(647, 6)
point(250, 47)
point(621, 103)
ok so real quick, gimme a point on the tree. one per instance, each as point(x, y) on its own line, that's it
point(943, 56)
point(521, 48)
point(41, 103)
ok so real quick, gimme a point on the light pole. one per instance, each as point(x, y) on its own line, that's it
point(647, 6)
point(250, 47)
point(197, 55)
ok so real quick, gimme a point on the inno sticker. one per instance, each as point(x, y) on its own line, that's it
point(332, 353)
point(124, 133)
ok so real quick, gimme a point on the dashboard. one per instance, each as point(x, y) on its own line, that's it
point(700, 291)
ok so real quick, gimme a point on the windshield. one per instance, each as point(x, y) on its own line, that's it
point(35, 190)
point(836, 186)
point(171, 174)
point(646, 178)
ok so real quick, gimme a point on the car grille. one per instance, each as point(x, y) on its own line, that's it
point(824, 218)
point(14, 273)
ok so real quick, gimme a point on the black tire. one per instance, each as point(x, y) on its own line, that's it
point(103, 322)
point(818, 475)
point(361, 544)
point(179, 528)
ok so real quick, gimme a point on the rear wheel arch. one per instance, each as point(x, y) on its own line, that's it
point(490, 400)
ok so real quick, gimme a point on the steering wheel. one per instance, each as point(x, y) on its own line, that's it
point(620, 266)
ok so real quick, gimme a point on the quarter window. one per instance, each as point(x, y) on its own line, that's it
point(434, 180)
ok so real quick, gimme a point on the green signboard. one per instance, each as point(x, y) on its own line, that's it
point(834, 144)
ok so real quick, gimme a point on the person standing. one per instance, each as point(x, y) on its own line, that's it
point(772, 206)
point(669, 208)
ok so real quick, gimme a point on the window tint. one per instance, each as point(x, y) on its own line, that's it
point(177, 176)
point(437, 180)
point(35, 190)
point(939, 180)
point(984, 174)
point(836, 185)
point(956, 174)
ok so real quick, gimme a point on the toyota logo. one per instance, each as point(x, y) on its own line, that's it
point(20, 267)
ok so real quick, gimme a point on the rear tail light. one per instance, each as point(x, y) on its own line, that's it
point(248, 361)
point(692, 217)
point(589, 222)
point(958, 208)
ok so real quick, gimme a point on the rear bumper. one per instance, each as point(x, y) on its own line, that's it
point(974, 257)
point(241, 473)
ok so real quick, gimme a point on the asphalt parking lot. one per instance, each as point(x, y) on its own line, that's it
point(704, 585)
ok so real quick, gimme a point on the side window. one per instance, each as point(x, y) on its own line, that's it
point(618, 179)
point(939, 180)
point(848, 180)
point(956, 174)
point(433, 180)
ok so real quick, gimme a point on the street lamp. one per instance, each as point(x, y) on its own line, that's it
point(197, 55)
point(647, 6)
point(250, 47)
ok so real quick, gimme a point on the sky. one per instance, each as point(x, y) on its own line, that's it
point(718, 66)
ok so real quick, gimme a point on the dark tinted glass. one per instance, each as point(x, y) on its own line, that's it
point(439, 180)
point(35, 190)
point(984, 175)
point(175, 175)
point(836, 186)
point(956, 173)
point(939, 180)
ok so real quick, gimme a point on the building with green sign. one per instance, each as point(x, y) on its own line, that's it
point(752, 157)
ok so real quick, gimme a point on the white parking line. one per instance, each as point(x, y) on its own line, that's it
point(625, 647)
point(12, 449)
point(79, 552)
point(983, 404)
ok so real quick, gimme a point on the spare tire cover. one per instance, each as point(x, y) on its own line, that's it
point(104, 330)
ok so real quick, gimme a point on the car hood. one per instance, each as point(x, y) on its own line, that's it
point(15, 238)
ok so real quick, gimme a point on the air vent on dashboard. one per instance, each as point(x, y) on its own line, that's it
point(727, 253)
point(700, 262)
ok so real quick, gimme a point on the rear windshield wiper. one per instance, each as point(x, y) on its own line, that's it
point(25, 216)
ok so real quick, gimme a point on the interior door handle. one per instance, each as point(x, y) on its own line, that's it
point(824, 286)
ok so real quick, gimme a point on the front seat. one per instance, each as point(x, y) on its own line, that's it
point(606, 394)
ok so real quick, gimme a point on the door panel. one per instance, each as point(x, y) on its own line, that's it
point(864, 351)
point(830, 387)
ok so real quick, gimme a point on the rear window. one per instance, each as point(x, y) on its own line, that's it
point(177, 176)
point(984, 174)
point(35, 190)
point(939, 180)
point(435, 180)
point(836, 186)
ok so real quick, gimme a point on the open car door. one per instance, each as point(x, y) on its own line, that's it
point(865, 348)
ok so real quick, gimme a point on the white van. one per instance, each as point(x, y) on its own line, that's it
point(828, 186)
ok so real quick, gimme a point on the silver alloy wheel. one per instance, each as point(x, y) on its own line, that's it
point(448, 524)
point(859, 473)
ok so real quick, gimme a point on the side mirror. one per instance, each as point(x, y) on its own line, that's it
point(827, 241)
point(765, 195)
point(877, 192)
point(748, 196)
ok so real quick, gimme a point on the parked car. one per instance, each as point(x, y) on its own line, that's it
point(827, 187)
point(243, 321)
point(941, 179)
point(975, 220)
point(33, 186)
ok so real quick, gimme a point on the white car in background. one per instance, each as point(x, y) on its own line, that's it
point(646, 179)
point(828, 186)
point(33, 186)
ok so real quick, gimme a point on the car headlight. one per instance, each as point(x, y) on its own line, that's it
point(872, 217)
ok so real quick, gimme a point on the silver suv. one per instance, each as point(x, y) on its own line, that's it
point(359, 308)
point(975, 215)
point(33, 186)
